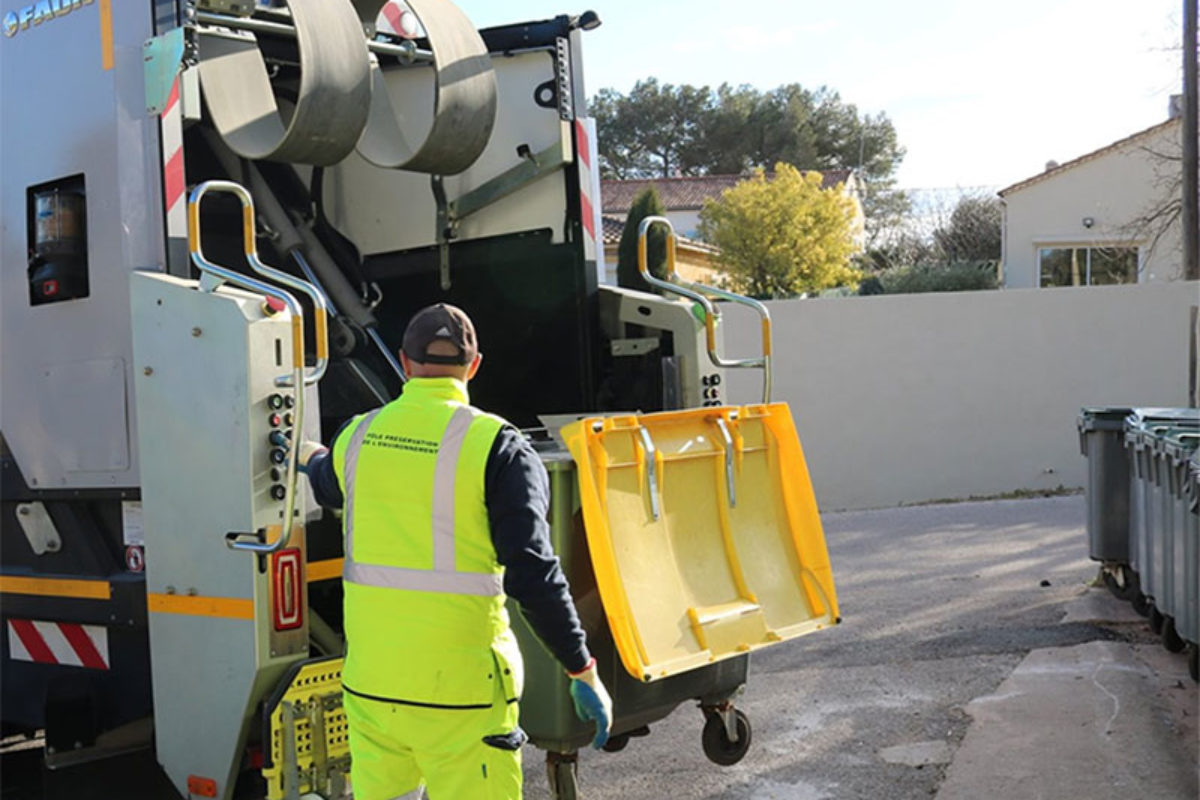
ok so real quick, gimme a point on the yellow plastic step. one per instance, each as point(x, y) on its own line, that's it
point(308, 742)
point(704, 533)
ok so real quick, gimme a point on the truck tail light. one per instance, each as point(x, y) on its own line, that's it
point(201, 787)
point(287, 587)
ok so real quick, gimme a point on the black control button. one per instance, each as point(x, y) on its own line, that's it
point(275, 474)
point(275, 401)
point(278, 492)
point(278, 455)
point(289, 401)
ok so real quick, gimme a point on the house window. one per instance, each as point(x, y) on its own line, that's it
point(1088, 266)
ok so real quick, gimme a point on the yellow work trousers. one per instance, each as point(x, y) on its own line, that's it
point(396, 749)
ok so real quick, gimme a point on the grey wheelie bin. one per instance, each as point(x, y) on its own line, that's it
point(1102, 442)
point(1151, 508)
point(1182, 605)
point(1192, 558)
point(690, 538)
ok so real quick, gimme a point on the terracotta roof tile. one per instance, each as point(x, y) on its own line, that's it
point(613, 226)
point(680, 194)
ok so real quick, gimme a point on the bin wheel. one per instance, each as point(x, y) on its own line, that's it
point(1156, 620)
point(1141, 604)
point(1170, 637)
point(1121, 586)
point(1194, 662)
point(616, 744)
point(562, 774)
point(715, 741)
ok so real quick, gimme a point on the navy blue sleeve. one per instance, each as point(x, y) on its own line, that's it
point(323, 480)
point(517, 493)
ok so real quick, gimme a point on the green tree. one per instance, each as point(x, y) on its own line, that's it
point(973, 231)
point(665, 130)
point(646, 204)
point(961, 277)
point(782, 237)
point(651, 132)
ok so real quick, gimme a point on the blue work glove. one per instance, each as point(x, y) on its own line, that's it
point(592, 701)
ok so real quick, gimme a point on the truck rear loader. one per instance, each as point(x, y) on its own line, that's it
point(217, 219)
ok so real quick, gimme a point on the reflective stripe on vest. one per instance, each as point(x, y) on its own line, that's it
point(443, 577)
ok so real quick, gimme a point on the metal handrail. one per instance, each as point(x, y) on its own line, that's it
point(700, 293)
point(250, 245)
point(236, 541)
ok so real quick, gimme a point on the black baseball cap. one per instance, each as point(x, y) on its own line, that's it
point(440, 322)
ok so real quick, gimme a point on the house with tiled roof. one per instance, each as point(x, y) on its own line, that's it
point(693, 259)
point(1085, 222)
point(683, 197)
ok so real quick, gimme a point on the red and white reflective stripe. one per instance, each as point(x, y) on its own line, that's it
point(390, 16)
point(587, 158)
point(174, 182)
point(583, 143)
point(58, 643)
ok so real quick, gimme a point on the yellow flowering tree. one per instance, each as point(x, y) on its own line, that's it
point(784, 236)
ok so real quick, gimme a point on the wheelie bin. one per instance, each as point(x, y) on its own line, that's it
point(1101, 441)
point(1150, 508)
point(1182, 606)
point(690, 538)
point(1192, 559)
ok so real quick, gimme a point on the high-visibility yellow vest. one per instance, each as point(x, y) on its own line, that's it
point(425, 619)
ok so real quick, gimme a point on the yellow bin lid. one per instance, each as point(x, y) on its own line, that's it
point(704, 533)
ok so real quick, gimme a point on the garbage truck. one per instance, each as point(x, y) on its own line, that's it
point(218, 217)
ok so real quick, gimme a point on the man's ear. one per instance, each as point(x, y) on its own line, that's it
point(475, 362)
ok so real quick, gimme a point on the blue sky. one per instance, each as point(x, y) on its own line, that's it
point(981, 94)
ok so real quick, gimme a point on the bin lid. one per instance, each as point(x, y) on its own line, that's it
point(1179, 443)
point(1193, 483)
point(1102, 418)
point(704, 533)
point(1184, 417)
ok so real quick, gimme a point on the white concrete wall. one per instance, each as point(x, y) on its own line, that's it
point(1114, 189)
point(907, 398)
point(685, 222)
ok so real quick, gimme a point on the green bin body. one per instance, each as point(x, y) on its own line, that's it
point(547, 713)
point(1101, 440)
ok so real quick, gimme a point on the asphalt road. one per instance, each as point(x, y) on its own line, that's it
point(940, 604)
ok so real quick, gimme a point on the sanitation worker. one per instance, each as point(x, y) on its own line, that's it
point(444, 517)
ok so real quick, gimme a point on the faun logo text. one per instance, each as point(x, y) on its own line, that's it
point(37, 13)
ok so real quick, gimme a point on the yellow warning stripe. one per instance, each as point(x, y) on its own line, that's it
point(324, 570)
point(56, 587)
point(195, 606)
point(106, 34)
